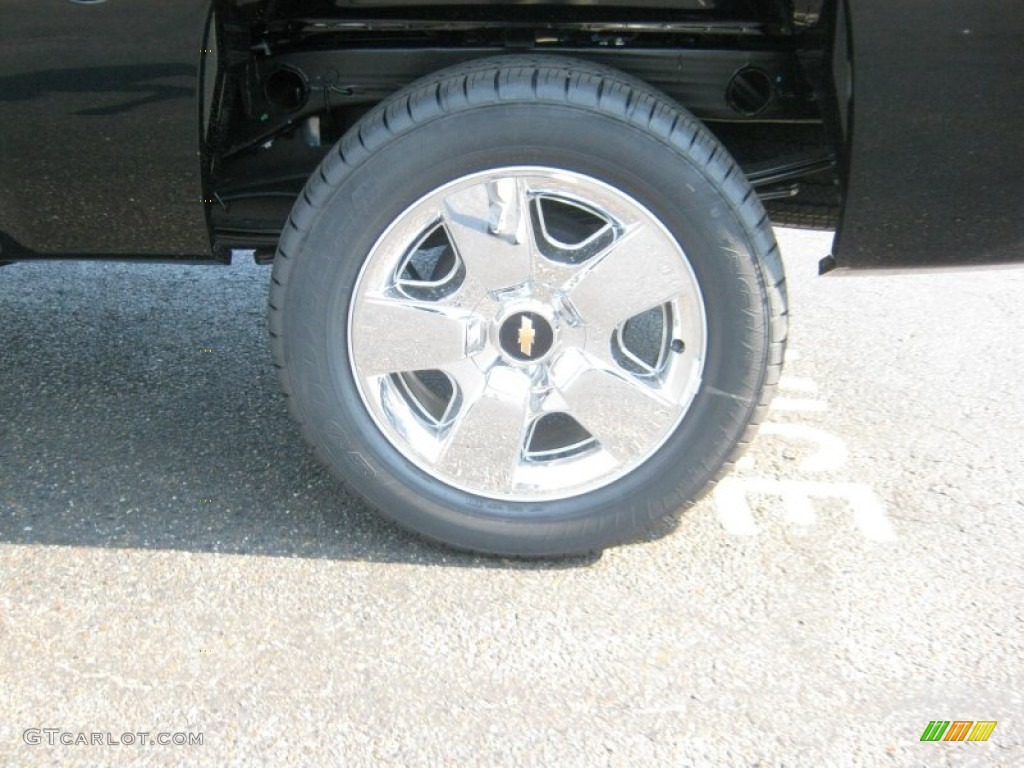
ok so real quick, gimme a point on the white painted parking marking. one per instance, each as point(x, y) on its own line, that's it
point(798, 404)
point(737, 517)
point(798, 384)
point(831, 452)
point(828, 453)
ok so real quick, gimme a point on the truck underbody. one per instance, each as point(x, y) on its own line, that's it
point(284, 81)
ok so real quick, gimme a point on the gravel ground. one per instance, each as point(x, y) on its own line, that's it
point(172, 559)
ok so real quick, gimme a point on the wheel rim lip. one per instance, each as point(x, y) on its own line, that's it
point(374, 406)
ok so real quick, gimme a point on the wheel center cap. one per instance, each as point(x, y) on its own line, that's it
point(526, 336)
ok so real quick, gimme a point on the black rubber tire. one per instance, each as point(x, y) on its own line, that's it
point(529, 110)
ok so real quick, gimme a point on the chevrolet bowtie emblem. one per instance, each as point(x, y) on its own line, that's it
point(526, 336)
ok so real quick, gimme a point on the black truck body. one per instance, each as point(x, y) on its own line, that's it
point(185, 129)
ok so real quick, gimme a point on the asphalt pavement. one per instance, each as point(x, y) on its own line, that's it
point(174, 562)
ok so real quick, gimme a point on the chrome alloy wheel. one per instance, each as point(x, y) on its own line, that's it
point(527, 334)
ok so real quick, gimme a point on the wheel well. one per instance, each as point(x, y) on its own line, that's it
point(292, 78)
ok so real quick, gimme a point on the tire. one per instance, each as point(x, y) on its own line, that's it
point(452, 327)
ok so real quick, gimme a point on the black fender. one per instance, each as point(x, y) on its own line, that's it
point(932, 110)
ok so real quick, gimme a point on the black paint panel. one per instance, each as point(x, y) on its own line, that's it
point(936, 174)
point(99, 129)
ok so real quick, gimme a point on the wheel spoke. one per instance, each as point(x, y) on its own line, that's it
point(489, 226)
point(624, 415)
point(396, 335)
point(638, 271)
point(485, 446)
